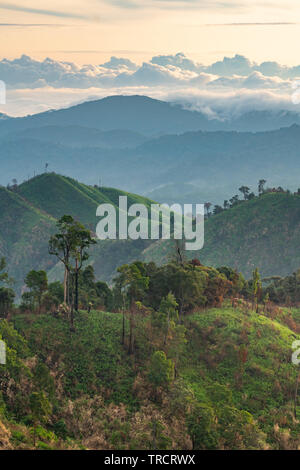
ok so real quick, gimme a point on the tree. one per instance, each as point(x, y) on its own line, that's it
point(261, 185)
point(245, 191)
point(168, 311)
point(256, 288)
point(60, 245)
point(207, 206)
point(234, 200)
point(201, 425)
point(218, 209)
point(4, 277)
point(70, 245)
point(161, 372)
point(133, 283)
point(7, 297)
point(37, 282)
point(82, 240)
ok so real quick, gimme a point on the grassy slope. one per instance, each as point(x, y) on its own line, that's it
point(265, 384)
point(92, 361)
point(58, 195)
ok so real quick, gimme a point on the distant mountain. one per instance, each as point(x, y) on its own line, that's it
point(147, 116)
point(143, 145)
point(135, 113)
point(78, 136)
point(212, 162)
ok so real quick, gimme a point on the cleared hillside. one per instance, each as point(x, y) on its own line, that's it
point(225, 375)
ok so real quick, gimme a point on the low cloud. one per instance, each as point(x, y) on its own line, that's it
point(232, 85)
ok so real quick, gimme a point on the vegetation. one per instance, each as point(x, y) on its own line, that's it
point(191, 358)
point(178, 355)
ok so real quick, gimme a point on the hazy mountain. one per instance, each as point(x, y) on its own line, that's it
point(147, 116)
point(213, 162)
point(108, 142)
point(78, 136)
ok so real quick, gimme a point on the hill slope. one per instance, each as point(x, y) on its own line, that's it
point(30, 212)
point(263, 232)
point(225, 376)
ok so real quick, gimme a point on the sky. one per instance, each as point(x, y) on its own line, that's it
point(55, 53)
point(89, 31)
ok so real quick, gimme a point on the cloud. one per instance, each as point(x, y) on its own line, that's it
point(59, 83)
point(219, 104)
point(31, 25)
point(177, 70)
point(178, 4)
point(117, 63)
point(253, 24)
point(42, 11)
point(238, 64)
point(178, 60)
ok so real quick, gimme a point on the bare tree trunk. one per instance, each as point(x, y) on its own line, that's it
point(65, 285)
point(296, 396)
point(123, 328)
point(72, 309)
point(34, 435)
point(130, 333)
point(68, 287)
point(76, 287)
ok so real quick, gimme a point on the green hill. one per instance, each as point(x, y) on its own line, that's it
point(30, 211)
point(263, 232)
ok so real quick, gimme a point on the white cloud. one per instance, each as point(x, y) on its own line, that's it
point(178, 60)
point(228, 86)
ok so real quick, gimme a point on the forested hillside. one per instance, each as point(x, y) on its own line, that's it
point(261, 231)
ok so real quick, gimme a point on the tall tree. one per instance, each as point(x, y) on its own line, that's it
point(245, 191)
point(261, 185)
point(256, 288)
point(82, 240)
point(61, 245)
point(70, 245)
point(133, 283)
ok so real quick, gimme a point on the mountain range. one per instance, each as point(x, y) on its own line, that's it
point(148, 116)
point(154, 148)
